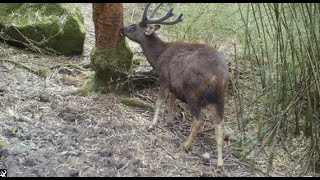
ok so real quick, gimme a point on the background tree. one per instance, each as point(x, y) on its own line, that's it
point(111, 58)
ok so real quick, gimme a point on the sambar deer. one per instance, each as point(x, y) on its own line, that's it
point(194, 73)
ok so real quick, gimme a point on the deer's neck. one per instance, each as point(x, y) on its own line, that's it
point(153, 48)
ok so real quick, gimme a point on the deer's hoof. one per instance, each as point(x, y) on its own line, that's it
point(186, 146)
point(220, 171)
point(150, 128)
point(168, 124)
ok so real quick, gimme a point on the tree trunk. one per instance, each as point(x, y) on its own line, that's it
point(108, 19)
point(111, 58)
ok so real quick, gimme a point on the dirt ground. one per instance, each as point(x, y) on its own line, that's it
point(49, 130)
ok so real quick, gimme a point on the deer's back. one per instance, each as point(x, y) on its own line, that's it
point(189, 68)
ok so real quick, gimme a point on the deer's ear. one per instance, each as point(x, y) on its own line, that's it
point(156, 27)
point(151, 29)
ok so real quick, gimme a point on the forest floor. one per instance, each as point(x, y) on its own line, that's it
point(49, 130)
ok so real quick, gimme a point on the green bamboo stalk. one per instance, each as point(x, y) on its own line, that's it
point(238, 96)
point(285, 45)
point(263, 29)
point(247, 47)
point(261, 66)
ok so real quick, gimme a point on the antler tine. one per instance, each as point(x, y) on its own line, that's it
point(162, 18)
point(145, 13)
point(155, 10)
point(175, 21)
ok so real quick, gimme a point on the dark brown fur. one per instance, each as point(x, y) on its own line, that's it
point(186, 69)
point(194, 73)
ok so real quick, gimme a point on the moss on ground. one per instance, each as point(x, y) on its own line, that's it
point(86, 89)
point(136, 103)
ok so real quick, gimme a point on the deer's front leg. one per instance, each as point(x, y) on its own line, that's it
point(172, 100)
point(162, 96)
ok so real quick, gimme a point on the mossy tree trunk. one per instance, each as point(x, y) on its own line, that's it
point(111, 58)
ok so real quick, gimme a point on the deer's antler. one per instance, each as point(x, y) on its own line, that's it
point(159, 20)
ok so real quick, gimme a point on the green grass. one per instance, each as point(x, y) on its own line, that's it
point(206, 22)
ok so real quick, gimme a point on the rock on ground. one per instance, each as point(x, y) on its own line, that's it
point(58, 27)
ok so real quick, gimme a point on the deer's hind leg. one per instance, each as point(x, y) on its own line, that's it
point(217, 112)
point(197, 124)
